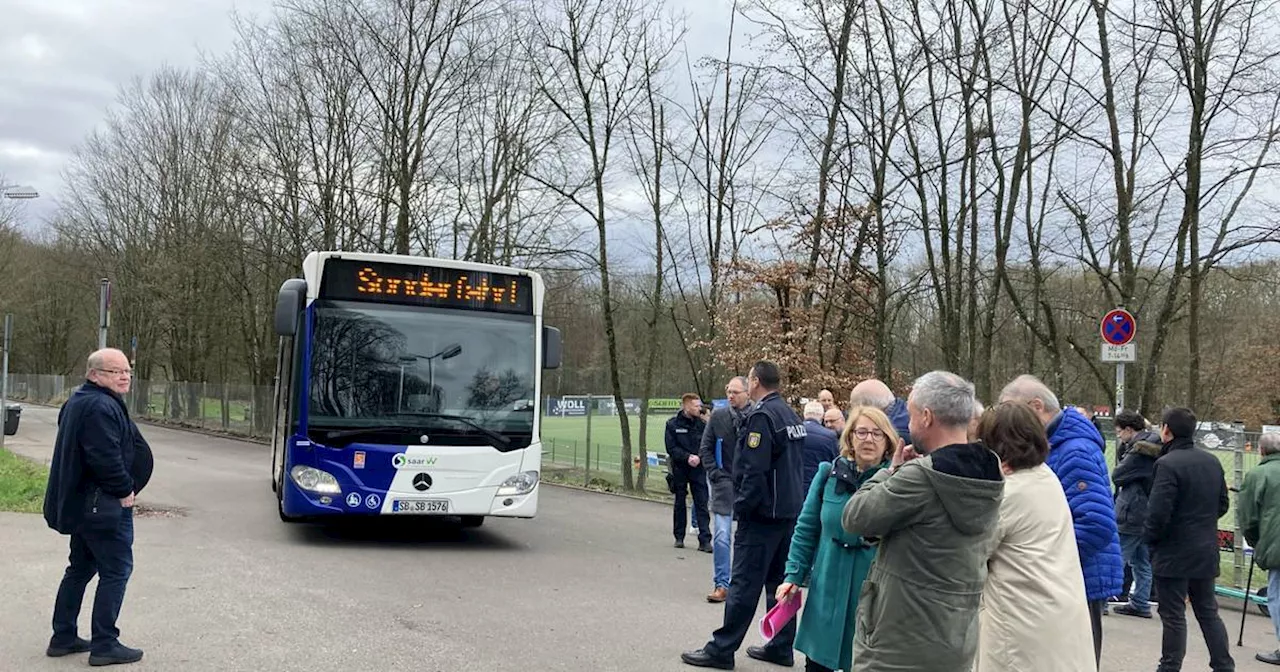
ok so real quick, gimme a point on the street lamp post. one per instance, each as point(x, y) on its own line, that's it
point(15, 192)
point(449, 352)
point(18, 191)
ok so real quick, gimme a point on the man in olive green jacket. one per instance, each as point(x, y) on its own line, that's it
point(1259, 503)
point(936, 520)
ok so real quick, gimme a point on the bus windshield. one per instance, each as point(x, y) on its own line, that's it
point(459, 376)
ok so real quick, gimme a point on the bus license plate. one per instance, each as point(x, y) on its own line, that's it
point(420, 506)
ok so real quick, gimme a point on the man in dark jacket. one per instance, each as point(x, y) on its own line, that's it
point(767, 501)
point(684, 432)
point(1188, 496)
point(820, 443)
point(719, 441)
point(100, 463)
point(1131, 428)
point(1133, 478)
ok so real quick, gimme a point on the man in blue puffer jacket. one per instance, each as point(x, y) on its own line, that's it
point(1076, 456)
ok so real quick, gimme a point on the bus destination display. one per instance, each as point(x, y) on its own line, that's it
point(433, 286)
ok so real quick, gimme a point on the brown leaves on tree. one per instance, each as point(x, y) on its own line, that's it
point(827, 344)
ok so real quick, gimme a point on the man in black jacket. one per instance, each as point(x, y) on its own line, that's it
point(767, 500)
point(1130, 428)
point(1133, 478)
point(684, 432)
point(820, 444)
point(719, 441)
point(1188, 496)
point(100, 463)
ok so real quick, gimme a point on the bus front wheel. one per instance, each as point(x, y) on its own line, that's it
point(279, 487)
point(472, 521)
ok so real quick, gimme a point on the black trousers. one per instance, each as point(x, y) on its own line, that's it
point(684, 481)
point(759, 563)
point(1128, 581)
point(1172, 594)
point(1095, 618)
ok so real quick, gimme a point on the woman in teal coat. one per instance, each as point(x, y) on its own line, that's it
point(832, 562)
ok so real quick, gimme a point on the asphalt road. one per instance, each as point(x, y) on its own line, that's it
point(591, 584)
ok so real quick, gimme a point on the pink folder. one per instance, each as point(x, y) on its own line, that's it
point(780, 615)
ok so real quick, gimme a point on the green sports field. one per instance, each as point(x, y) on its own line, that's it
point(564, 440)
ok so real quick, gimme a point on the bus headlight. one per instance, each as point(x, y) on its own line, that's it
point(315, 480)
point(522, 483)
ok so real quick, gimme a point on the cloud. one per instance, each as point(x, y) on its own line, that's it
point(64, 61)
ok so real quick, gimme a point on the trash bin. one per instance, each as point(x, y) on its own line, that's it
point(12, 413)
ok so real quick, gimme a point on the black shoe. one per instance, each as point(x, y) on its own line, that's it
point(679, 543)
point(1130, 610)
point(80, 645)
point(705, 548)
point(701, 658)
point(1271, 657)
point(762, 653)
point(118, 655)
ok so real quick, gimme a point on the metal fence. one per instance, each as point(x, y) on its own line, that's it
point(243, 410)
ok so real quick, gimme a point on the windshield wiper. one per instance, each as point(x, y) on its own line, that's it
point(506, 443)
point(343, 433)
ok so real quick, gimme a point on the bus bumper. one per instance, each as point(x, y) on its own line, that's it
point(482, 501)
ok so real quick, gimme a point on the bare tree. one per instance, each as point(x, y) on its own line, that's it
point(597, 53)
point(1225, 63)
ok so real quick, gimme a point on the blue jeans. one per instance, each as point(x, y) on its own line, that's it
point(1273, 599)
point(722, 549)
point(1137, 556)
point(109, 554)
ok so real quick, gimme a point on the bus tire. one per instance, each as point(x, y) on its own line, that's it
point(279, 488)
point(472, 521)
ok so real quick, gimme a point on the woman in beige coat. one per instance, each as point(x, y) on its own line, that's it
point(1034, 614)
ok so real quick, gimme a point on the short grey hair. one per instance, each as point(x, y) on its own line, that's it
point(741, 380)
point(978, 408)
point(950, 397)
point(814, 410)
point(1269, 443)
point(1026, 387)
point(872, 392)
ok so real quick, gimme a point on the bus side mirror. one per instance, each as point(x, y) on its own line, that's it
point(551, 348)
point(288, 304)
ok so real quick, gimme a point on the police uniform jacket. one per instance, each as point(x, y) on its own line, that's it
point(769, 463)
point(682, 437)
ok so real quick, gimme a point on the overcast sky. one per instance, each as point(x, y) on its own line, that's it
point(63, 61)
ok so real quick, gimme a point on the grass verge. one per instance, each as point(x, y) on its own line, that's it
point(22, 484)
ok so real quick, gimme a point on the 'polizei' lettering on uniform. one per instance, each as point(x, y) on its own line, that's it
point(796, 432)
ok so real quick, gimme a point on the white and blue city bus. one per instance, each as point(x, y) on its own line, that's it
point(408, 385)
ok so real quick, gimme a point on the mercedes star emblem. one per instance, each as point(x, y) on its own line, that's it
point(424, 438)
point(422, 482)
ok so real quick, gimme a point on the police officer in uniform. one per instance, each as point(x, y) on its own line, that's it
point(684, 432)
point(767, 473)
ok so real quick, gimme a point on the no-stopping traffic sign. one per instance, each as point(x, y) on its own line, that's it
point(1118, 327)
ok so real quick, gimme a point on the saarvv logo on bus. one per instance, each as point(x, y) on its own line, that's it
point(402, 461)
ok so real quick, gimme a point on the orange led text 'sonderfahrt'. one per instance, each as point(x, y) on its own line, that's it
point(372, 283)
